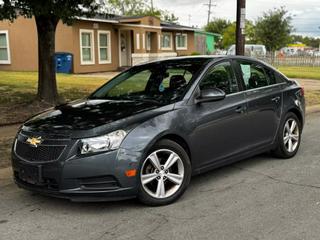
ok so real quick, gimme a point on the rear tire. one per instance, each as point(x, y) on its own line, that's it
point(289, 137)
point(164, 175)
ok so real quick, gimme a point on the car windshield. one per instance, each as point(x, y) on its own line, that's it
point(161, 82)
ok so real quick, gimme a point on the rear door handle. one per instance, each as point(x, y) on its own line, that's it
point(275, 99)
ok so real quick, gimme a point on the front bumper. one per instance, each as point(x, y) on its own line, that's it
point(98, 177)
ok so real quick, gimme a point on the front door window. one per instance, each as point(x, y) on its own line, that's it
point(220, 76)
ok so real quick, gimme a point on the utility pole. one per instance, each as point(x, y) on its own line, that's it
point(152, 9)
point(241, 22)
point(189, 18)
point(210, 5)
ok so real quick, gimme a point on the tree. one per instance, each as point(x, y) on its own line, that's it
point(138, 8)
point(127, 7)
point(273, 29)
point(250, 33)
point(219, 25)
point(47, 14)
point(169, 17)
point(227, 30)
point(309, 41)
point(229, 36)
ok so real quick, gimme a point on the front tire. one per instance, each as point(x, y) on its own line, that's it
point(165, 174)
point(289, 137)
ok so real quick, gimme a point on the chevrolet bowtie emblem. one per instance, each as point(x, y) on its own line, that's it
point(34, 141)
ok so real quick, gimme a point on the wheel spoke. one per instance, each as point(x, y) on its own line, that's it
point(290, 145)
point(145, 179)
point(175, 178)
point(287, 127)
point(293, 126)
point(161, 192)
point(295, 137)
point(155, 161)
point(286, 139)
point(171, 160)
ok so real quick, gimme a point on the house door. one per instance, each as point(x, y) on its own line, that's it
point(125, 48)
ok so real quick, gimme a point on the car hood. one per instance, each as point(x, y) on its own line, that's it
point(90, 117)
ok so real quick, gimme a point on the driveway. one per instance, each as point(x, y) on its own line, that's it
point(259, 198)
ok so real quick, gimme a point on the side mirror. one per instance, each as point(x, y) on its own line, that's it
point(210, 95)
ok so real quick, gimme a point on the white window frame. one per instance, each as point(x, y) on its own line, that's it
point(186, 42)
point(138, 41)
point(159, 41)
point(171, 41)
point(8, 61)
point(92, 62)
point(143, 41)
point(109, 60)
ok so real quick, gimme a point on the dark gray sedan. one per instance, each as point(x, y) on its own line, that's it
point(148, 130)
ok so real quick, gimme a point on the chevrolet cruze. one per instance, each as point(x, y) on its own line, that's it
point(148, 130)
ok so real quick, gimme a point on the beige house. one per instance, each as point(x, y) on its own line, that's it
point(98, 44)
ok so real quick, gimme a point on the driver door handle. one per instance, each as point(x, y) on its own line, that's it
point(276, 99)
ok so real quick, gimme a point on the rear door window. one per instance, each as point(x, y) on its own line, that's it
point(256, 75)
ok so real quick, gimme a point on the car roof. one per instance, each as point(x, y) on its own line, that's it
point(209, 57)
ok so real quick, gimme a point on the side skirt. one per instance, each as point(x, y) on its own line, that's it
point(232, 159)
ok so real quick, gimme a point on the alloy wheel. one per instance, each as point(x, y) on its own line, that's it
point(291, 135)
point(162, 173)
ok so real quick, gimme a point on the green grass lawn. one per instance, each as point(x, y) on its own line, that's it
point(21, 87)
point(301, 72)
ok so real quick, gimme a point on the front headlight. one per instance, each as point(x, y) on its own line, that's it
point(104, 143)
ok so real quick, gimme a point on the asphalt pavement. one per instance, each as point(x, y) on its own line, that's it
point(258, 198)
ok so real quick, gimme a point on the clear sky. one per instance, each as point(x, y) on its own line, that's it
point(306, 13)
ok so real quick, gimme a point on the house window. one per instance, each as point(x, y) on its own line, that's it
point(4, 48)
point(87, 47)
point(104, 45)
point(148, 40)
point(182, 41)
point(166, 42)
